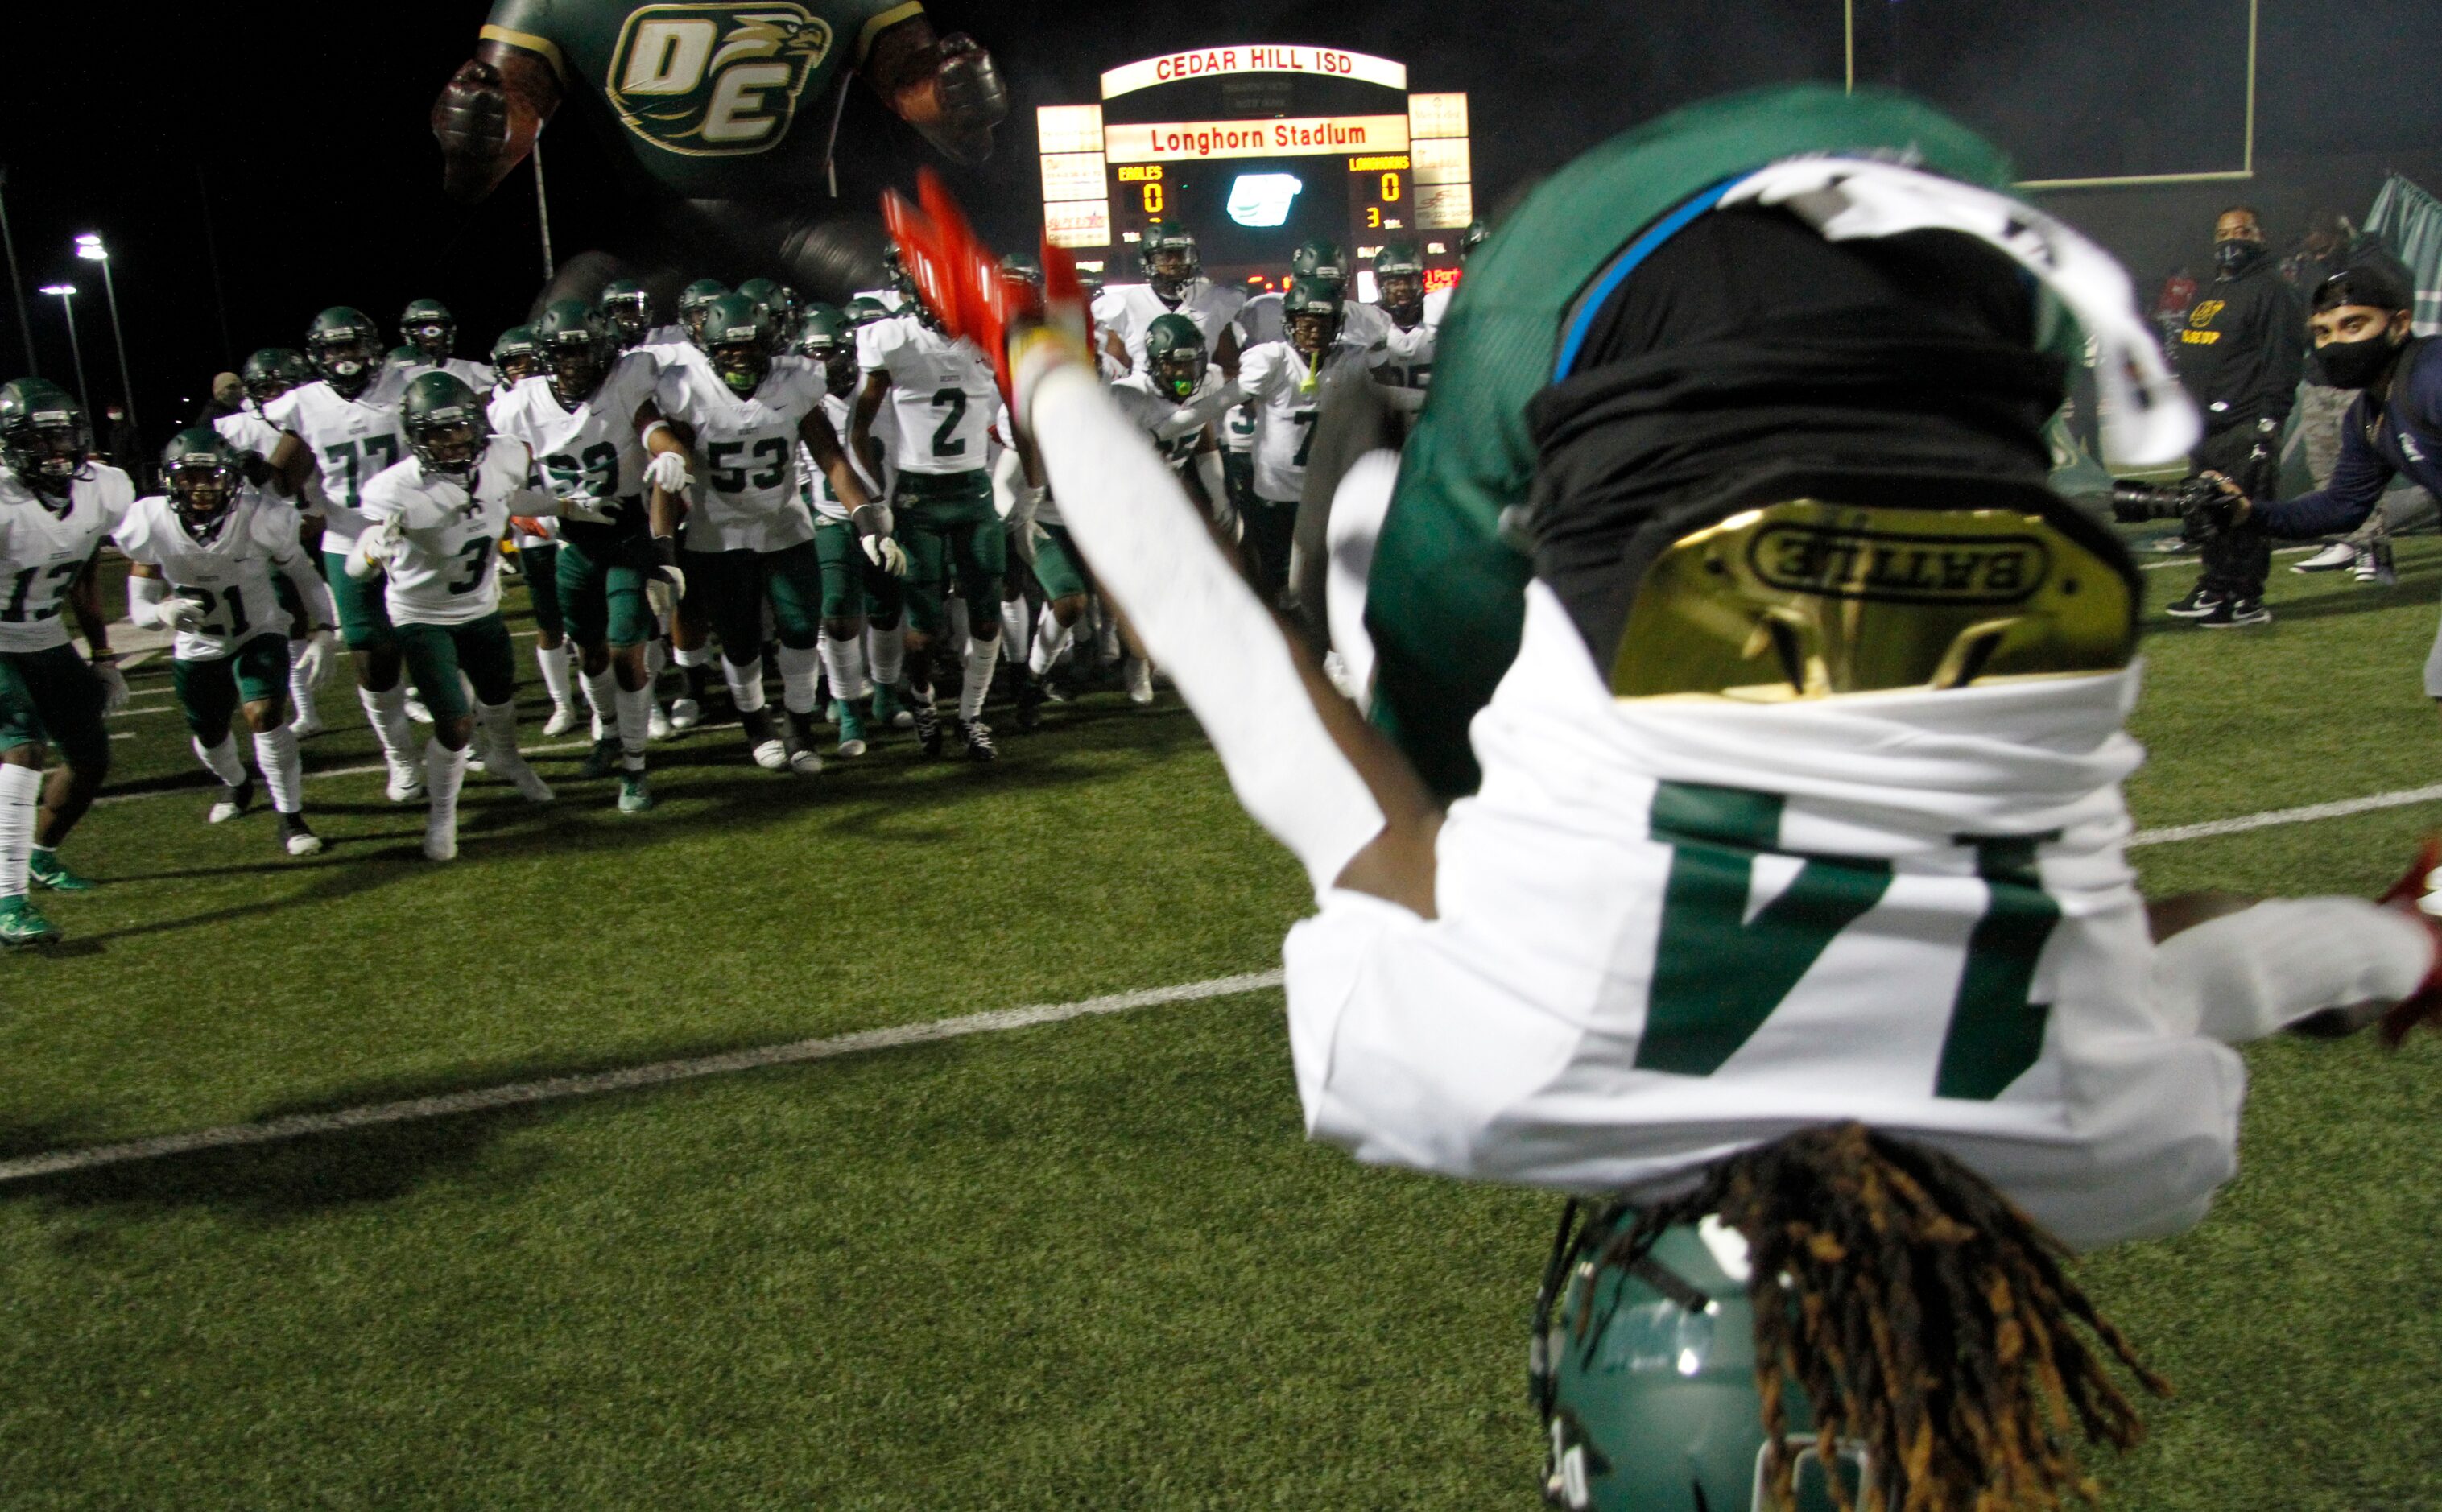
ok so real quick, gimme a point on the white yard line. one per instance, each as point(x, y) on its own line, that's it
point(2189, 558)
point(661, 1073)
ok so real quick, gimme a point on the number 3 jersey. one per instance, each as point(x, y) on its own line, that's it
point(42, 551)
point(943, 396)
point(349, 440)
point(447, 568)
point(229, 575)
point(746, 494)
point(1673, 928)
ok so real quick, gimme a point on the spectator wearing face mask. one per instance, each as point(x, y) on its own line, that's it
point(2239, 356)
point(2334, 245)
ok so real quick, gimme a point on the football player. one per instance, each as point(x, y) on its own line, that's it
point(779, 302)
point(722, 120)
point(267, 376)
point(1792, 907)
point(628, 308)
point(202, 553)
point(56, 504)
point(436, 522)
point(1404, 365)
point(583, 419)
point(861, 593)
point(340, 431)
point(748, 534)
point(1283, 380)
point(942, 396)
point(1174, 285)
point(1173, 399)
point(516, 356)
point(429, 328)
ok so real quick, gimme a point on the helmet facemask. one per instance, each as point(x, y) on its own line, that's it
point(743, 360)
point(203, 489)
point(347, 363)
point(1312, 332)
point(1403, 297)
point(577, 366)
point(837, 358)
point(1169, 269)
point(434, 339)
point(49, 452)
point(1179, 371)
point(628, 316)
point(450, 441)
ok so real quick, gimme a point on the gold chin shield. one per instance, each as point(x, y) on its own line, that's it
point(1810, 600)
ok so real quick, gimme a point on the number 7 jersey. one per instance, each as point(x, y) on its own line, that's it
point(350, 440)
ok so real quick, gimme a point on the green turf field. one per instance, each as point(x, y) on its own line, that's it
point(1085, 1264)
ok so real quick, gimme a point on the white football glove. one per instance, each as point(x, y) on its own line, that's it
point(114, 686)
point(314, 659)
point(886, 553)
point(667, 472)
point(183, 615)
point(663, 590)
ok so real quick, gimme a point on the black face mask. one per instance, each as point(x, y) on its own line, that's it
point(2234, 258)
point(2357, 364)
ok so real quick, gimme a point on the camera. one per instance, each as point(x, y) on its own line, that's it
point(2204, 511)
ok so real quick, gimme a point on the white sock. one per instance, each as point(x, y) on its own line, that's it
point(657, 656)
point(635, 721)
point(300, 689)
point(745, 683)
point(961, 627)
point(977, 682)
point(1014, 625)
point(801, 673)
point(886, 651)
point(20, 796)
point(220, 760)
point(553, 661)
point(500, 725)
point(444, 772)
point(387, 713)
point(1106, 639)
point(1050, 642)
point(691, 656)
point(602, 694)
point(845, 662)
point(276, 754)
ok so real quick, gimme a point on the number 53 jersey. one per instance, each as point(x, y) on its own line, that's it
point(746, 494)
point(42, 551)
point(230, 573)
point(1668, 929)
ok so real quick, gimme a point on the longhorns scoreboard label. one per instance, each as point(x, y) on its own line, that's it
point(715, 80)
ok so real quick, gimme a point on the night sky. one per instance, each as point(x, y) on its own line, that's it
point(291, 143)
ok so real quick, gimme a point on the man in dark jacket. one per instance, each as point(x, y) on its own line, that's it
point(2334, 245)
point(2239, 355)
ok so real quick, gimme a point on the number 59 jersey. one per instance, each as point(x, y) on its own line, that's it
point(591, 459)
point(229, 575)
point(350, 440)
point(446, 569)
point(43, 552)
point(746, 493)
point(942, 394)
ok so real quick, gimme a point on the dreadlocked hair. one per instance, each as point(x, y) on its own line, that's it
point(1924, 1317)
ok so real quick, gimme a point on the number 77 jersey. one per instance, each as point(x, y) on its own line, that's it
point(941, 395)
point(350, 441)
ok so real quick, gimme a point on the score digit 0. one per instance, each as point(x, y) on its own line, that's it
point(1390, 189)
point(1152, 199)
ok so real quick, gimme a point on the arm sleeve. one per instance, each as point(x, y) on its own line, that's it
point(2342, 505)
point(144, 595)
point(313, 593)
point(1199, 617)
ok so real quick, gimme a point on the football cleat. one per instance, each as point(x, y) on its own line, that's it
point(685, 712)
point(657, 727)
point(529, 783)
point(235, 799)
point(2197, 605)
point(978, 739)
point(416, 711)
point(407, 783)
point(296, 838)
point(479, 756)
point(563, 718)
point(851, 727)
point(440, 839)
point(2237, 612)
point(1031, 696)
point(603, 760)
point(1138, 673)
point(888, 713)
point(635, 793)
point(46, 870)
point(307, 724)
point(805, 752)
point(22, 925)
point(2331, 558)
point(2375, 566)
point(928, 729)
point(763, 743)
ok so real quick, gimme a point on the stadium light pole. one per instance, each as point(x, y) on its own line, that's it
point(17, 282)
point(66, 292)
point(89, 247)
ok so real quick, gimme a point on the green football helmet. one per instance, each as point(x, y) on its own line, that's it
point(518, 354)
point(1645, 1377)
point(428, 326)
point(404, 357)
point(628, 308)
point(895, 274)
point(344, 346)
point(778, 301)
point(1399, 282)
point(737, 338)
point(577, 350)
point(1319, 260)
point(828, 341)
point(1169, 259)
point(864, 310)
point(696, 298)
point(1473, 237)
point(1312, 308)
point(201, 472)
point(42, 435)
point(1174, 355)
point(270, 372)
point(447, 427)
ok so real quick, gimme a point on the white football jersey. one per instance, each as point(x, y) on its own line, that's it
point(447, 568)
point(248, 431)
point(229, 575)
point(1130, 309)
point(942, 394)
point(42, 551)
point(1287, 393)
point(815, 485)
point(745, 490)
point(593, 460)
point(664, 336)
point(350, 440)
point(1403, 363)
point(476, 375)
point(1176, 429)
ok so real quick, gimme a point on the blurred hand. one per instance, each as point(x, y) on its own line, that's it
point(969, 85)
point(471, 119)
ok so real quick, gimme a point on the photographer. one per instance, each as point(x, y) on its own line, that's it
point(2239, 355)
point(2334, 245)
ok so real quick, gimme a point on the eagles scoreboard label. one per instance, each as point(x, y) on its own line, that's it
point(715, 80)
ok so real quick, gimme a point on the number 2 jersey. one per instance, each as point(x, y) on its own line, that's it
point(591, 459)
point(42, 551)
point(942, 397)
point(229, 575)
point(746, 495)
point(350, 440)
point(446, 570)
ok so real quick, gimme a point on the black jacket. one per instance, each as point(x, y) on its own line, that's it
point(2243, 347)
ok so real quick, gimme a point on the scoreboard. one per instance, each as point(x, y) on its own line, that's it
point(1255, 148)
